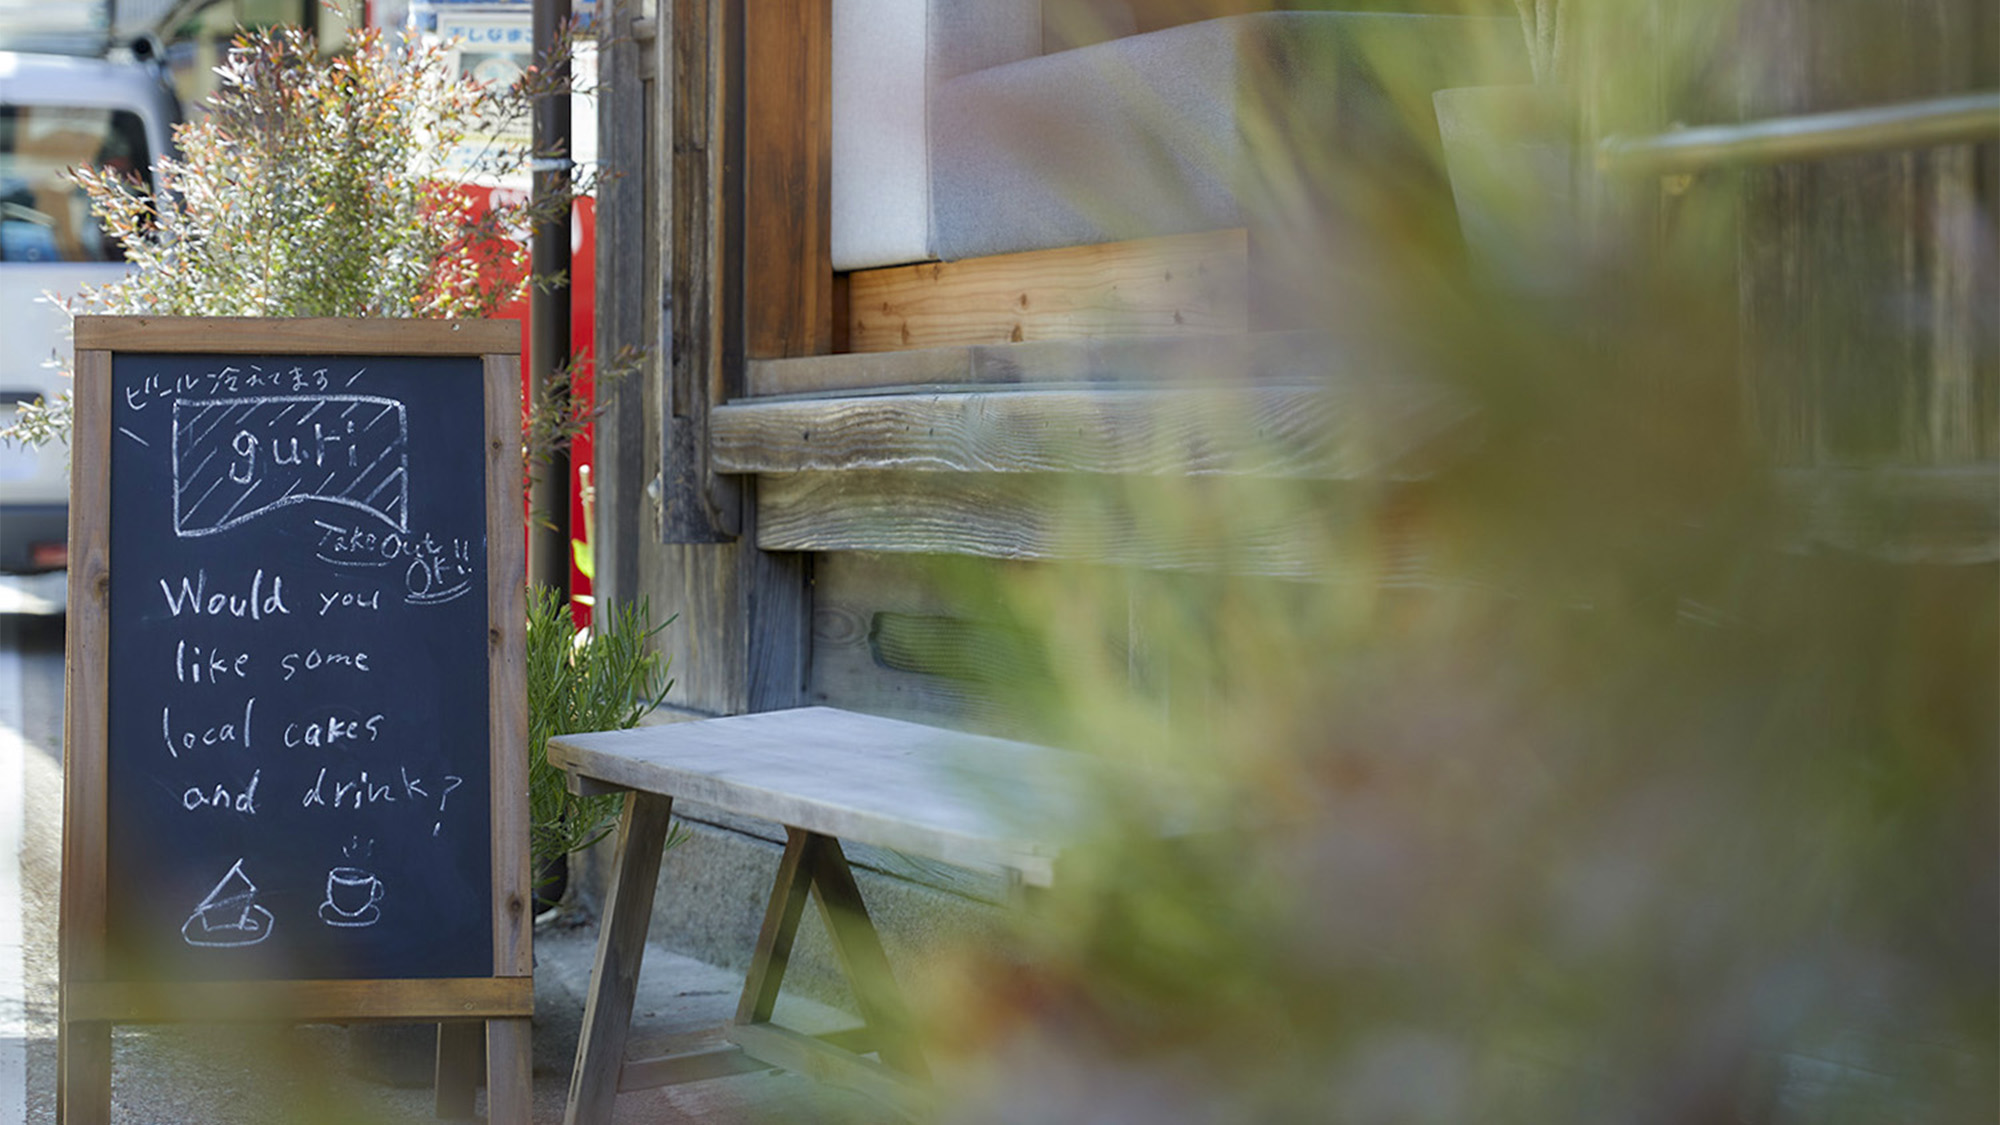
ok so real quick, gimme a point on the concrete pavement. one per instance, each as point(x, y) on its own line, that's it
point(321, 1075)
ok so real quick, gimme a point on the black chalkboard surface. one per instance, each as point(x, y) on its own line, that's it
point(294, 764)
point(298, 642)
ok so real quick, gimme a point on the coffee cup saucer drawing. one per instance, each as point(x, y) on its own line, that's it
point(334, 916)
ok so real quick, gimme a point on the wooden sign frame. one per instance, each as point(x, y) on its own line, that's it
point(91, 1003)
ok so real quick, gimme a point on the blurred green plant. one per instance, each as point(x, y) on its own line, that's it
point(603, 678)
point(1574, 778)
point(1545, 23)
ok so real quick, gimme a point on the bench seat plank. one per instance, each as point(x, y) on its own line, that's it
point(960, 798)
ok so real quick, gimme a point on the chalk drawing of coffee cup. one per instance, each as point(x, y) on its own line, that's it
point(351, 898)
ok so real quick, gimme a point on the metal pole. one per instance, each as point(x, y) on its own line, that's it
point(1970, 119)
point(548, 304)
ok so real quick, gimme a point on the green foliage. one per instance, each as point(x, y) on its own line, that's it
point(603, 679)
point(315, 186)
point(1582, 779)
point(319, 184)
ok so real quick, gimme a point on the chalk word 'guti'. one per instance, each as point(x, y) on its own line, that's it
point(235, 459)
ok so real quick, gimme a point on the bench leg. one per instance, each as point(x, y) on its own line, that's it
point(781, 925)
point(859, 949)
point(621, 944)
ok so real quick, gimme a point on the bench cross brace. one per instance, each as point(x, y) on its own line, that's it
point(813, 866)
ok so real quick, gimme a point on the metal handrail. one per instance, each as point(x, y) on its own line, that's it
point(1970, 118)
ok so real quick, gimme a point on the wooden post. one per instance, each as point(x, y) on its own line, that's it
point(84, 1049)
point(461, 1048)
point(742, 637)
point(699, 47)
point(627, 301)
point(787, 154)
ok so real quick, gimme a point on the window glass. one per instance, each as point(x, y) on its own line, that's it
point(44, 217)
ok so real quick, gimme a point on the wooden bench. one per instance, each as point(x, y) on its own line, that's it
point(827, 776)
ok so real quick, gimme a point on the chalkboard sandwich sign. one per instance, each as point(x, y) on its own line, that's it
point(294, 773)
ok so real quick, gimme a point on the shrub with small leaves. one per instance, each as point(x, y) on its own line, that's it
point(603, 679)
point(319, 183)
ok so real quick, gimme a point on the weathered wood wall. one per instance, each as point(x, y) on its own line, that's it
point(1868, 285)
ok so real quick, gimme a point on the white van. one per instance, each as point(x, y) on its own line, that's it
point(57, 112)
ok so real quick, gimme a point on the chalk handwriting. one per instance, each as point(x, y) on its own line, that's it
point(439, 573)
point(333, 730)
point(451, 782)
point(314, 660)
point(347, 599)
point(255, 604)
point(437, 570)
point(212, 734)
point(194, 665)
point(235, 459)
point(231, 381)
point(243, 800)
point(356, 793)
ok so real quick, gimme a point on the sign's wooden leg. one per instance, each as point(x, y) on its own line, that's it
point(83, 1064)
point(621, 944)
point(859, 949)
point(781, 925)
point(460, 1066)
point(510, 1080)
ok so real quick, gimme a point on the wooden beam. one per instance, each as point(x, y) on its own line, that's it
point(507, 673)
point(241, 335)
point(461, 1067)
point(1179, 285)
point(1944, 516)
point(83, 1052)
point(310, 1001)
point(698, 214)
point(787, 178)
point(1356, 429)
point(1259, 357)
point(627, 295)
point(510, 1081)
point(720, 1061)
point(803, 1054)
point(1303, 530)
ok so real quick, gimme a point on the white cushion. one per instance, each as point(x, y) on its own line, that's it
point(887, 57)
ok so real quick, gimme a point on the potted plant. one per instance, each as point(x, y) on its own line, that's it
point(606, 677)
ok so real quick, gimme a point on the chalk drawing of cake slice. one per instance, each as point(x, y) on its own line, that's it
point(229, 915)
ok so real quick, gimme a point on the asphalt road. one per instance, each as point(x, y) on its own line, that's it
point(31, 693)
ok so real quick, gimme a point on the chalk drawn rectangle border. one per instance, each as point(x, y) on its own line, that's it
point(402, 523)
